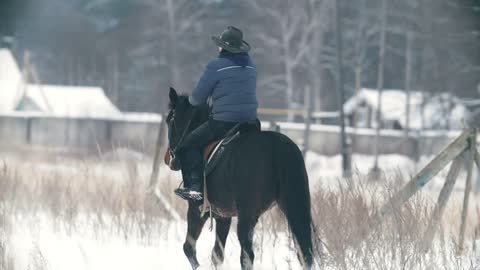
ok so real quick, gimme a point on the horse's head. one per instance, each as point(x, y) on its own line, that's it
point(182, 119)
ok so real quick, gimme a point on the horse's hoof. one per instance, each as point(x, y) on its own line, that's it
point(217, 261)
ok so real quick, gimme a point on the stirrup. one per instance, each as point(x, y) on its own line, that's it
point(187, 194)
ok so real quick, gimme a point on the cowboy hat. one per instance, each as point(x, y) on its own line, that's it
point(231, 40)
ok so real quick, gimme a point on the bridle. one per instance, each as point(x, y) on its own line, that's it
point(184, 133)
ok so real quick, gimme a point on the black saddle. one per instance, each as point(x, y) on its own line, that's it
point(215, 150)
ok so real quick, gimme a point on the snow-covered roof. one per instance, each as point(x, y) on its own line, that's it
point(10, 80)
point(70, 101)
point(437, 109)
point(56, 100)
point(393, 102)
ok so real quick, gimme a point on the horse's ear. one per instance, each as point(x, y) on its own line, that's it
point(173, 96)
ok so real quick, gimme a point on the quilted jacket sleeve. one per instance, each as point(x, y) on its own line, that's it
point(205, 85)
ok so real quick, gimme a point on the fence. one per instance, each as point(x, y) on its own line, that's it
point(139, 132)
point(465, 144)
point(79, 134)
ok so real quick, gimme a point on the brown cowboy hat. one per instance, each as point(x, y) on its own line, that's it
point(231, 40)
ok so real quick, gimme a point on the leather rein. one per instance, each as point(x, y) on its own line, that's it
point(180, 141)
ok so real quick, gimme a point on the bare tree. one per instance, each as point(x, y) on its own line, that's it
point(381, 59)
point(364, 33)
point(181, 18)
point(408, 79)
point(361, 44)
point(319, 11)
point(290, 41)
point(346, 166)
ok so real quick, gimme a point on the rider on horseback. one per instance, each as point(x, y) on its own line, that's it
point(230, 80)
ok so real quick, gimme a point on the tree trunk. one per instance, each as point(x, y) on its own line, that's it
point(70, 71)
point(115, 77)
point(172, 46)
point(358, 78)
point(381, 58)
point(315, 66)
point(308, 103)
point(341, 94)
point(408, 71)
point(288, 77)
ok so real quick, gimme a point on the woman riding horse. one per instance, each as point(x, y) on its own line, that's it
point(257, 170)
point(230, 80)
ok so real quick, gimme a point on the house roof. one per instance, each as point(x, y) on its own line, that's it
point(71, 101)
point(436, 110)
point(393, 102)
point(56, 100)
point(10, 81)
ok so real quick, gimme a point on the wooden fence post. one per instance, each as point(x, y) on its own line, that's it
point(307, 119)
point(274, 126)
point(441, 202)
point(468, 188)
point(428, 172)
point(28, 135)
point(152, 186)
point(477, 162)
point(157, 156)
point(423, 177)
point(477, 158)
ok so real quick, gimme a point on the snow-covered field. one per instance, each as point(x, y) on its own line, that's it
point(60, 212)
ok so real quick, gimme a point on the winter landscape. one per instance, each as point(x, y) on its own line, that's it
point(66, 213)
point(382, 98)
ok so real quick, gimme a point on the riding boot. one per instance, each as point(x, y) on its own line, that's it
point(192, 172)
point(194, 190)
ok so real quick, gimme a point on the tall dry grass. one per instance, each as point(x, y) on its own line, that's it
point(102, 204)
point(342, 215)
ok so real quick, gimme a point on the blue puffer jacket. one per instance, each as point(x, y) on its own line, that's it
point(231, 82)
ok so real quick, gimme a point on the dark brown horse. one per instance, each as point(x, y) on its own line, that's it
point(259, 169)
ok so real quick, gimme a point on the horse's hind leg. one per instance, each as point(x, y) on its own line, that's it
point(245, 227)
point(195, 225)
point(221, 232)
point(296, 207)
point(300, 225)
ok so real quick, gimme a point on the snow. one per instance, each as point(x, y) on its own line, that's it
point(54, 100)
point(71, 101)
point(393, 102)
point(40, 246)
point(10, 81)
point(326, 171)
point(439, 111)
point(140, 117)
point(36, 240)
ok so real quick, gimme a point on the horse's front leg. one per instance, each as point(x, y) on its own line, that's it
point(222, 228)
point(245, 227)
point(195, 225)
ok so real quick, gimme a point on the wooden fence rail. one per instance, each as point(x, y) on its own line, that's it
point(463, 146)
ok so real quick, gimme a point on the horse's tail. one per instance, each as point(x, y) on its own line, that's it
point(294, 199)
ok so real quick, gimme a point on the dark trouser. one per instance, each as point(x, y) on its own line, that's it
point(191, 150)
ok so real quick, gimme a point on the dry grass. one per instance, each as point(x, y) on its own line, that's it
point(341, 214)
point(344, 215)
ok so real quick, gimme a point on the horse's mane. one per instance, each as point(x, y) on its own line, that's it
point(170, 106)
point(181, 96)
point(183, 99)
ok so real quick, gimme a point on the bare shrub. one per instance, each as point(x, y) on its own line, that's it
point(84, 200)
point(344, 216)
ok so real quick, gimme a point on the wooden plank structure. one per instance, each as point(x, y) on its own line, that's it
point(463, 146)
point(152, 189)
point(298, 112)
